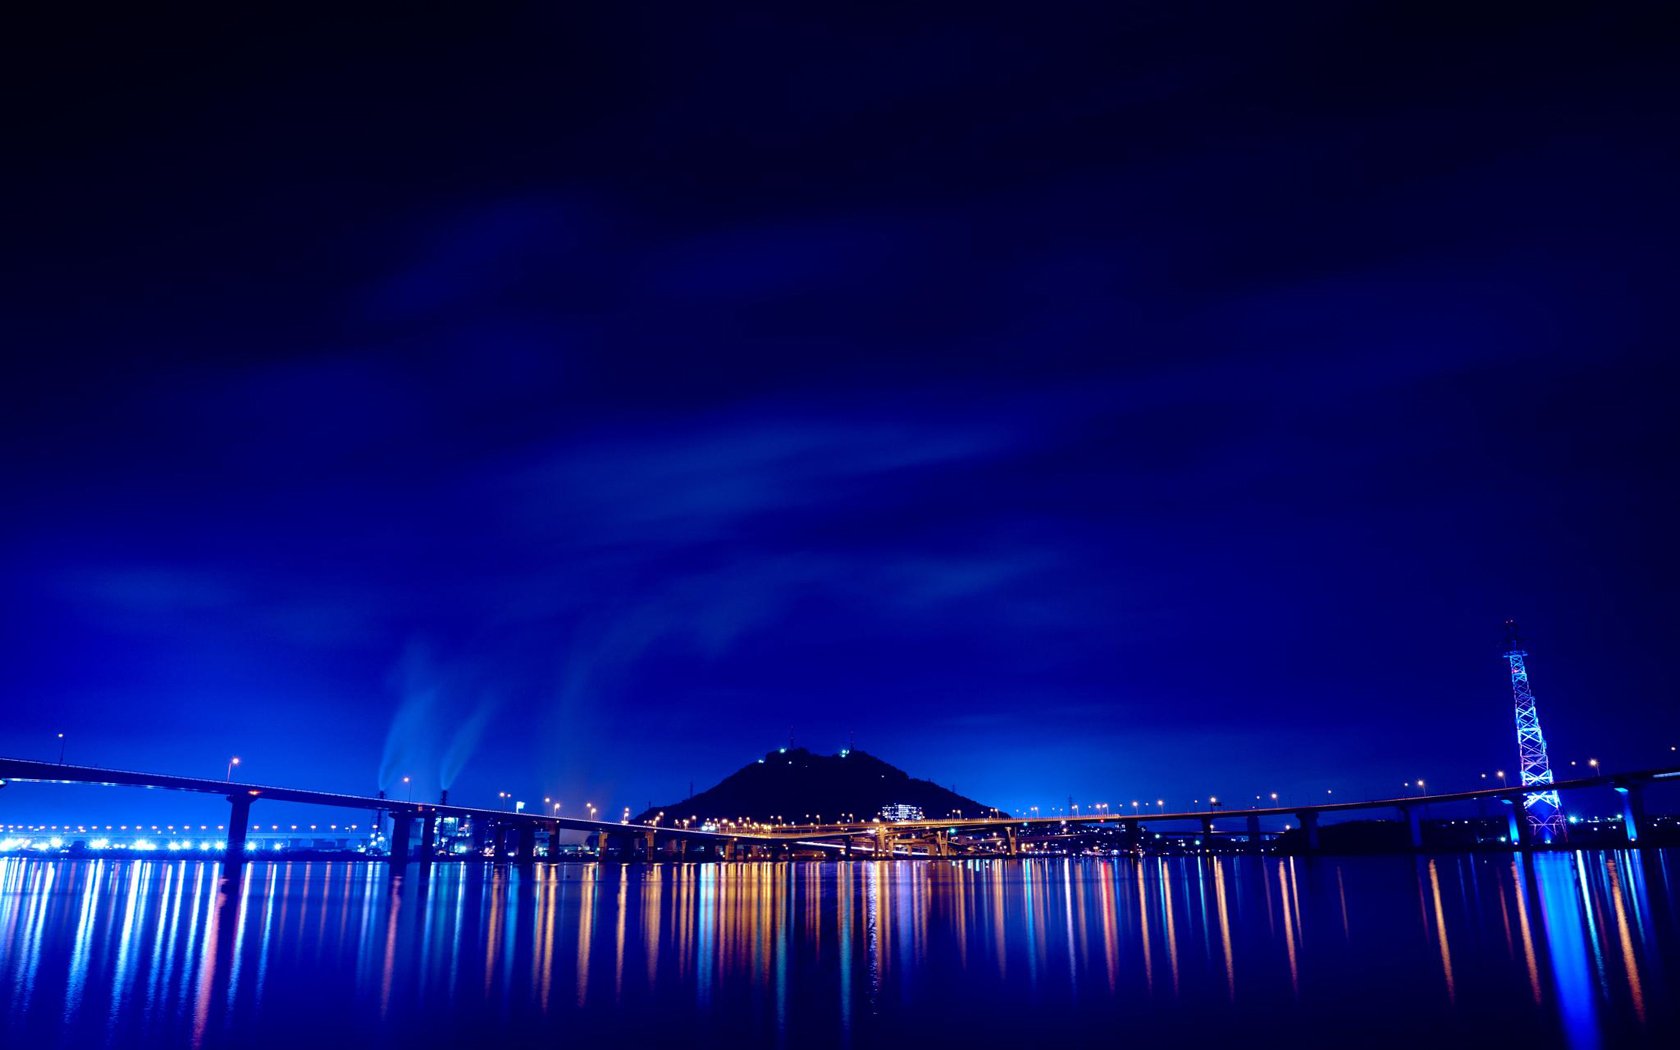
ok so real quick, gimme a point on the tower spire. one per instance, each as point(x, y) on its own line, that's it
point(1542, 809)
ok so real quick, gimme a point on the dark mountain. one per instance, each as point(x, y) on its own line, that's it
point(796, 786)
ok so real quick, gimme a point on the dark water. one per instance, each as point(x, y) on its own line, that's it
point(1574, 950)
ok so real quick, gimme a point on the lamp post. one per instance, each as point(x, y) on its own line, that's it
point(61, 749)
point(410, 785)
point(234, 761)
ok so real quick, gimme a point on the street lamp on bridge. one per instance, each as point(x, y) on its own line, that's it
point(234, 761)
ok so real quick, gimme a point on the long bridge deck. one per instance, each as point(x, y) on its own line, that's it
point(874, 836)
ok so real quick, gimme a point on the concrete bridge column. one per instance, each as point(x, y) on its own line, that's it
point(1207, 831)
point(553, 843)
point(428, 842)
point(1633, 811)
point(1522, 832)
point(847, 847)
point(942, 844)
point(239, 819)
point(527, 843)
point(1309, 828)
point(650, 846)
point(682, 850)
point(1414, 824)
point(400, 824)
point(1254, 840)
point(1014, 842)
point(499, 835)
point(1136, 827)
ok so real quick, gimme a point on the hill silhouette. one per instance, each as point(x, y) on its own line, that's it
point(797, 786)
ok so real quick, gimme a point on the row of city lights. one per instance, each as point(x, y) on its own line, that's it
point(171, 828)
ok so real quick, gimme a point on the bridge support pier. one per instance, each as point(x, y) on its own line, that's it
point(1414, 825)
point(846, 848)
point(650, 846)
point(527, 844)
point(1309, 830)
point(1014, 842)
point(239, 819)
point(498, 835)
point(1254, 841)
point(400, 824)
point(428, 843)
point(1207, 831)
point(1633, 811)
point(1522, 832)
point(553, 856)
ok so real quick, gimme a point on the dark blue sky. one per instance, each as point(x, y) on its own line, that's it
point(1129, 401)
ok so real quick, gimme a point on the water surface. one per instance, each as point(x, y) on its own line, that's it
point(1575, 950)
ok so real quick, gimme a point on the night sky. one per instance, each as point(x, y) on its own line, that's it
point(1122, 401)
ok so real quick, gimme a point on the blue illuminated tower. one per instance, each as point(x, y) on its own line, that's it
point(1541, 808)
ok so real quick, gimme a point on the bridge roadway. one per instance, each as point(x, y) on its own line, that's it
point(870, 836)
point(1630, 785)
point(242, 795)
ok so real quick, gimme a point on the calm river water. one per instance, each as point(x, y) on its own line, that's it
point(1574, 950)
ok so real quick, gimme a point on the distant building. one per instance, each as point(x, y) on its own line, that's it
point(901, 811)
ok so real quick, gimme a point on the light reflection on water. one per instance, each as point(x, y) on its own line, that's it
point(1570, 949)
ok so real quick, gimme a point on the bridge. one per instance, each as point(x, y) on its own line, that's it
point(931, 833)
point(521, 827)
point(873, 838)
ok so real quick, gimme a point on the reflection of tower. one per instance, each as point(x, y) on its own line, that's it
point(1544, 812)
